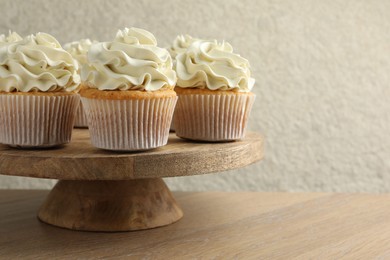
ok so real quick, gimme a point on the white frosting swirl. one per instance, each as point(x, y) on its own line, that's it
point(12, 37)
point(79, 49)
point(37, 63)
point(181, 44)
point(213, 65)
point(131, 62)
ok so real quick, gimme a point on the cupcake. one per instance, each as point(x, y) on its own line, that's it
point(38, 83)
point(179, 45)
point(130, 100)
point(79, 49)
point(214, 87)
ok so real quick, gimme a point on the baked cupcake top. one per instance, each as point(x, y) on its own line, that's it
point(37, 63)
point(213, 65)
point(181, 44)
point(132, 61)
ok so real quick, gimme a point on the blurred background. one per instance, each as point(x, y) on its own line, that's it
point(322, 70)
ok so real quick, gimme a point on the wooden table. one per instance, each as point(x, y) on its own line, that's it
point(216, 225)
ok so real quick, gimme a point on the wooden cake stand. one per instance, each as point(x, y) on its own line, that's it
point(108, 191)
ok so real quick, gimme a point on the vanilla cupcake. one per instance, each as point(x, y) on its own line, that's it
point(79, 49)
point(214, 87)
point(179, 45)
point(130, 100)
point(38, 83)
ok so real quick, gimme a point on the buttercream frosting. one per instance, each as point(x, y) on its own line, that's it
point(37, 63)
point(12, 37)
point(181, 44)
point(79, 49)
point(132, 61)
point(213, 65)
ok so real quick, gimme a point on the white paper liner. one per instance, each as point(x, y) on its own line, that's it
point(81, 118)
point(37, 121)
point(129, 125)
point(208, 117)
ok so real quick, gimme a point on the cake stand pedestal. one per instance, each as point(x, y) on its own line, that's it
point(109, 191)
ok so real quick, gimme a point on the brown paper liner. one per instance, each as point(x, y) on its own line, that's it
point(212, 117)
point(81, 118)
point(172, 127)
point(37, 120)
point(129, 125)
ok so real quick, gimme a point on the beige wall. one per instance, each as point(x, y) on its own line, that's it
point(322, 71)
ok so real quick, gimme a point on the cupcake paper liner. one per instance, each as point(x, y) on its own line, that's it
point(37, 121)
point(215, 118)
point(172, 127)
point(81, 118)
point(129, 125)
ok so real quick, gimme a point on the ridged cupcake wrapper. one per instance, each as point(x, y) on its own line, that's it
point(172, 127)
point(37, 121)
point(81, 118)
point(214, 118)
point(129, 125)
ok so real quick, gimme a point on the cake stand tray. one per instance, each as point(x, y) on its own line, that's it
point(110, 191)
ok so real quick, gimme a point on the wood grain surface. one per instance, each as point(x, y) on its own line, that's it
point(79, 160)
point(110, 206)
point(215, 225)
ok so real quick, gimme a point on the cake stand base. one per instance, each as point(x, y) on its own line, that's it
point(110, 206)
point(108, 191)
